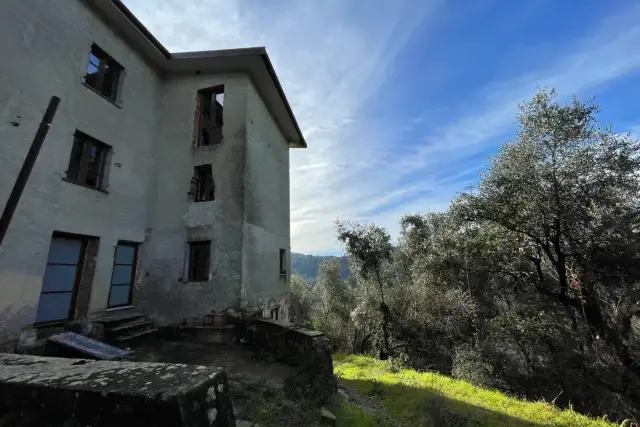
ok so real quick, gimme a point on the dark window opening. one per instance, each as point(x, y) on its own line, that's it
point(274, 313)
point(103, 73)
point(202, 184)
point(88, 161)
point(208, 117)
point(198, 268)
point(283, 262)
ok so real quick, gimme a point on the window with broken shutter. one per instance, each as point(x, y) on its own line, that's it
point(88, 161)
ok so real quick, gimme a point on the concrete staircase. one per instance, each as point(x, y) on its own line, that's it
point(119, 330)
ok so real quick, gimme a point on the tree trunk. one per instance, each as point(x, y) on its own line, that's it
point(364, 343)
point(384, 311)
point(385, 351)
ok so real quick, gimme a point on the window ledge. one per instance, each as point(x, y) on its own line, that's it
point(197, 282)
point(101, 95)
point(84, 185)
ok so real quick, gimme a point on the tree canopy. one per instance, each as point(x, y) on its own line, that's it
point(528, 282)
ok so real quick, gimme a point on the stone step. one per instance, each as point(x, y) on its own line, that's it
point(129, 326)
point(114, 321)
point(138, 334)
point(221, 328)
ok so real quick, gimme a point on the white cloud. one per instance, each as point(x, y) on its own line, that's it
point(332, 58)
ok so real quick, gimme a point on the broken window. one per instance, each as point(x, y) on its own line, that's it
point(103, 73)
point(283, 262)
point(87, 165)
point(198, 267)
point(202, 184)
point(208, 117)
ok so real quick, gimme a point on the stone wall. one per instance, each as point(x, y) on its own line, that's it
point(37, 391)
point(308, 350)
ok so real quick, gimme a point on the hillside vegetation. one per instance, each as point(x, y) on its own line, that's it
point(431, 399)
point(528, 284)
point(307, 265)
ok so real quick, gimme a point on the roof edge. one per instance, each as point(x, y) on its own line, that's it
point(215, 54)
point(201, 54)
point(140, 26)
point(285, 101)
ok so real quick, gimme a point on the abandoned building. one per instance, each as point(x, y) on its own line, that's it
point(163, 184)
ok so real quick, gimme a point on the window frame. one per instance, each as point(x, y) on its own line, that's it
point(105, 61)
point(283, 262)
point(134, 267)
point(201, 190)
point(79, 172)
point(84, 239)
point(194, 274)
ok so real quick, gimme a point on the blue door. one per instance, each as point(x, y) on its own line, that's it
point(64, 265)
point(124, 273)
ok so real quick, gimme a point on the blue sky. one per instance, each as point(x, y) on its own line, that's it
point(402, 103)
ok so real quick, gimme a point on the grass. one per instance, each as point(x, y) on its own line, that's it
point(429, 399)
point(268, 407)
point(351, 415)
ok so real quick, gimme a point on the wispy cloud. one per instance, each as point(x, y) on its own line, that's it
point(333, 57)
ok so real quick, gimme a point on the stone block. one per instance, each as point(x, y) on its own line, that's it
point(326, 417)
point(28, 339)
point(79, 392)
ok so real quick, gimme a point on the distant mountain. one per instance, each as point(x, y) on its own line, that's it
point(307, 265)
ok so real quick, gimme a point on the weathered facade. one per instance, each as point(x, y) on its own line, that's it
point(149, 194)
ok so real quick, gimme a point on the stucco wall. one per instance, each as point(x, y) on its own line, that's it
point(44, 52)
point(266, 226)
point(165, 294)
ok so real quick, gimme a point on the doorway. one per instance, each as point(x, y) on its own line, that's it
point(59, 292)
point(123, 276)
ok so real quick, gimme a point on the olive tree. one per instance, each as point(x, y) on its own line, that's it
point(369, 248)
point(569, 187)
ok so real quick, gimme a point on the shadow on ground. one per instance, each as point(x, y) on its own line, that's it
point(420, 407)
point(240, 362)
point(256, 382)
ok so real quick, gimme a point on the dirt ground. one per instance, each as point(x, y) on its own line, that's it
point(240, 362)
point(256, 381)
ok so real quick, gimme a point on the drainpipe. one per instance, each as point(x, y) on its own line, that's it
point(27, 166)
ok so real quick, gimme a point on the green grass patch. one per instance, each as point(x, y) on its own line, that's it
point(429, 399)
point(351, 415)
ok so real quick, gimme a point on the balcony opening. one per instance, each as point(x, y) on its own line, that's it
point(208, 120)
point(202, 184)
